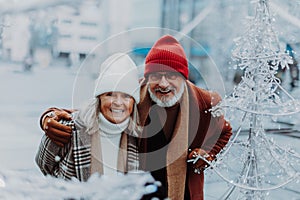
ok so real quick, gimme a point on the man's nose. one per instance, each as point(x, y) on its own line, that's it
point(163, 82)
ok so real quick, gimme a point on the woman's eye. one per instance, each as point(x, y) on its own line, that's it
point(127, 96)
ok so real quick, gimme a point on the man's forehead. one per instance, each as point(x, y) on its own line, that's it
point(166, 72)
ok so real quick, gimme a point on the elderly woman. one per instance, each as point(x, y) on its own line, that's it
point(104, 132)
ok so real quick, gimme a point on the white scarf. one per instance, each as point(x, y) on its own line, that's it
point(110, 129)
point(110, 143)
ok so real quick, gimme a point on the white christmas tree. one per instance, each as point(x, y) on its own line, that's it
point(252, 163)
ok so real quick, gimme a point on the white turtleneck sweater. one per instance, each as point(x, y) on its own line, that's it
point(110, 141)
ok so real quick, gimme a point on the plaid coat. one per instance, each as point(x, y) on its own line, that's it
point(74, 160)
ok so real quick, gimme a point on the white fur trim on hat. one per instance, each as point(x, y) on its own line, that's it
point(118, 73)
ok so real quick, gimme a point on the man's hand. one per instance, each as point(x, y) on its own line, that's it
point(60, 134)
point(200, 163)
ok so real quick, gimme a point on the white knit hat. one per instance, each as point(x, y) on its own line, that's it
point(118, 73)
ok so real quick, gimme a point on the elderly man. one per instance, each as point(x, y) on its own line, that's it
point(177, 124)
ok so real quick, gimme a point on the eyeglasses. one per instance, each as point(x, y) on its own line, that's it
point(169, 76)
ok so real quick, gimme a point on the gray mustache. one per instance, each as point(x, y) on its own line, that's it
point(164, 90)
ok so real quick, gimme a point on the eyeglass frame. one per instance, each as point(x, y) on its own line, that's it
point(169, 76)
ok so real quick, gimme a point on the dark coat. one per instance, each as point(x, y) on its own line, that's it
point(195, 128)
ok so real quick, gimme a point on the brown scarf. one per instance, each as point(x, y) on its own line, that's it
point(125, 163)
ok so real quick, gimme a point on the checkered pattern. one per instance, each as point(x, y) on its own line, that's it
point(74, 159)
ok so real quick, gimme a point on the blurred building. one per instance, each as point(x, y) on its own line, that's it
point(15, 37)
point(73, 31)
point(78, 31)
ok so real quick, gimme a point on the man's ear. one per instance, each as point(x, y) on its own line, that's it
point(143, 81)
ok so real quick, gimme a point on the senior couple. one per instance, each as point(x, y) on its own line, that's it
point(156, 124)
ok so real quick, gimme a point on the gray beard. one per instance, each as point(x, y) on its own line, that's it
point(164, 102)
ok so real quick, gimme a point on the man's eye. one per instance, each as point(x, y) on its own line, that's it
point(172, 76)
point(155, 76)
point(109, 94)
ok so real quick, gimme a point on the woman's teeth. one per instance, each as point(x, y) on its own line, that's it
point(116, 111)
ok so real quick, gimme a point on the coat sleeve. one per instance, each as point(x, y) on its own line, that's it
point(219, 138)
point(49, 155)
point(219, 131)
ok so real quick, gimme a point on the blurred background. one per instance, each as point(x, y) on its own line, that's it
point(48, 48)
point(63, 32)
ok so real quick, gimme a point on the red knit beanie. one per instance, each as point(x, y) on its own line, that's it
point(166, 55)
